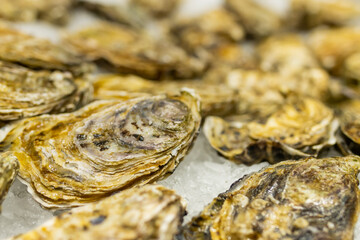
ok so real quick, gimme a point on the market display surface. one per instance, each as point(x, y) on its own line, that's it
point(159, 119)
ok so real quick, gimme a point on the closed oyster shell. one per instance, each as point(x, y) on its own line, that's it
point(157, 8)
point(298, 129)
point(55, 11)
point(9, 167)
point(39, 53)
point(257, 20)
point(308, 199)
point(215, 99)
point(25, 92)
point(104, 147)
point(311, 13)
point(129, 51)
point(149, 212)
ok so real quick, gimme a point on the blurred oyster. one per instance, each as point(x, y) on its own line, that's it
point(349, 135)
point(262, 93)
point(215, 99)
point(119, 13)
point(55, 11)
point(311, 13)
point(157, 8)
point(308, 199)
point(334, 46)
point(104, 147)
point(9, 167)
point(26, 93)
point(298, 129)
point(257, 20)
point(149, 212)
point(130, 51)
point(39, 53)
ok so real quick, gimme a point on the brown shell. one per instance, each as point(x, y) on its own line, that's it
point(307, 199)
point(215, 99)
point(55, 11)
point(149, 212)
point(311, 13)
point(298, 129)
point(157, 8)
point(9, 167)
point(39, 53)
point(25, 92)
point(104, 147)
point(257, 20)
point(129, 51)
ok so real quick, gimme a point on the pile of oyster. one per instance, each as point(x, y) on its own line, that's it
point(90, 124)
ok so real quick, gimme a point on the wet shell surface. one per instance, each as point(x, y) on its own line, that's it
point(300, 128)
point(148, 212)
point(130, 51)
point(9, 167)
point(307, 199)
point(25, 92)
point(215, 99)
point(39, 53)
point(55, 11)
point(157, 8)
point(104, 147)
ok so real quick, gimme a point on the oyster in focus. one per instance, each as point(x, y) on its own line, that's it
point(257, 20)
point(308, 199)
point(25, 92)
point(55, 11)
point(9, 167)
point(334, 46)
point(300, 128)
point(157, 8)
point(104, 147)
point(311, 13)
point(149, 212)
point(39, 53)
point(215, 99)
point(262, 93)
point(129, 51)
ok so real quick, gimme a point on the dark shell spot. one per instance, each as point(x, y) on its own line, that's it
point(83, 145)
point(103, 149)
point(125, 132)
point(85, 228)
point(81, 137)
point(138, 137)
point(224, 148)
point(98, 220)
point(97, 135)
point(135, 125)
point(100, 143)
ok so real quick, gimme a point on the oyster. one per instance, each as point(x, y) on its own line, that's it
point(215, 99)
point(39, 53)
point(9, 167)
point(149, 212)
point(257, 20)
point(311, 13)
point(307, 199)
point(300, 128)
point(262, 93)
point(55, 11)
point(104, 147)
point(25, 92)
point(333, 46)
point(157, 8)
point(135, 52)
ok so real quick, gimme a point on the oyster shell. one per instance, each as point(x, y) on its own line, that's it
point(300, 128)
point(257, 20)
point(215, 99)
point(149, 212)
point(311, 13)
point(39, 53)
point(333, 46)
point(104, 147)
point(25, 92)
point(308, 199)
point(262, 93)
point(135, 52)
point(55, 11)
point(9, 167)
point(157, 8)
